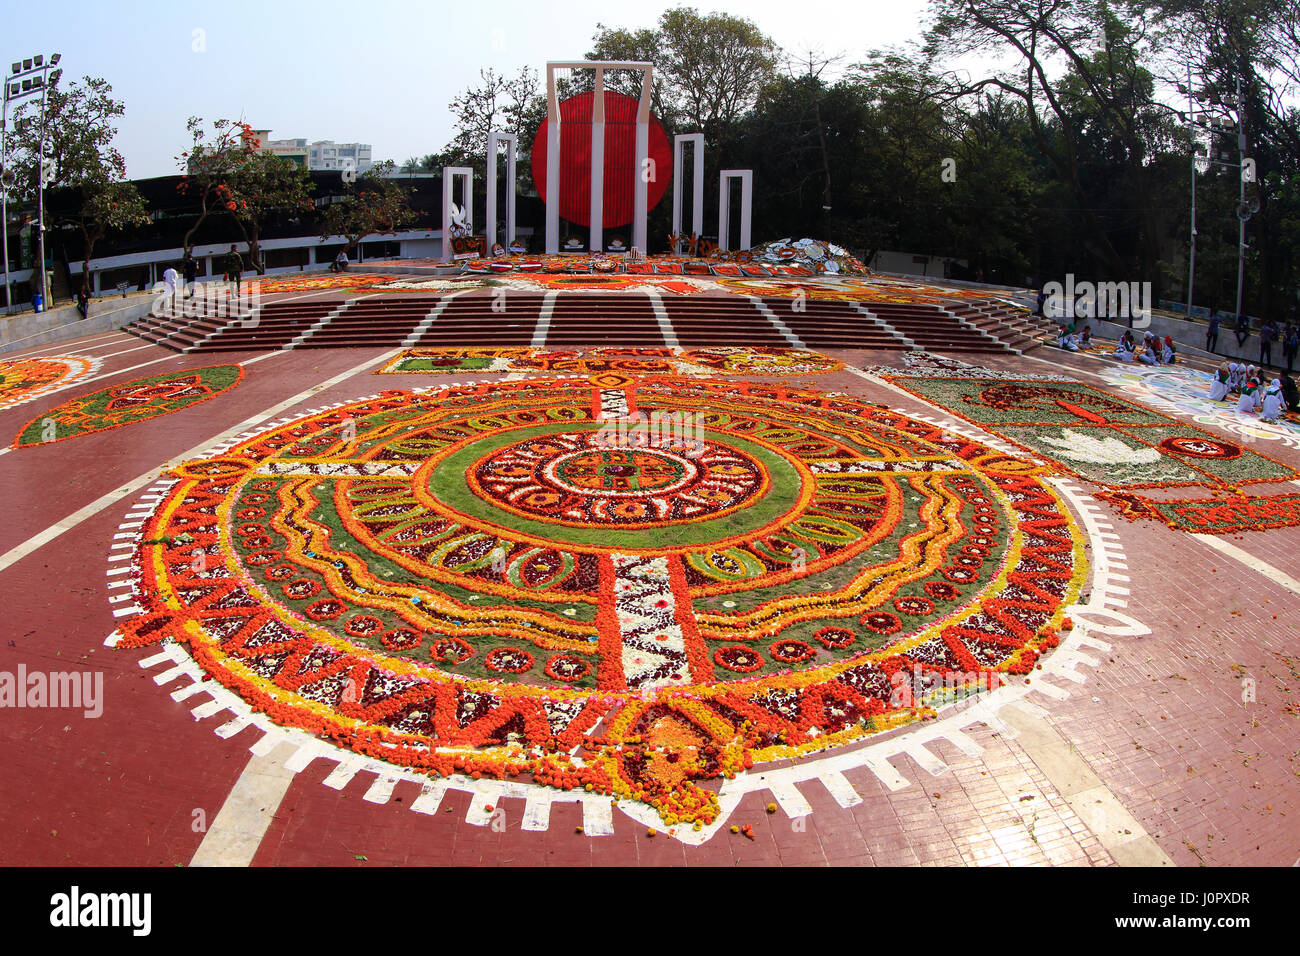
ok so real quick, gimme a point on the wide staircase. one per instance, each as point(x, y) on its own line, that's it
point(571, 319)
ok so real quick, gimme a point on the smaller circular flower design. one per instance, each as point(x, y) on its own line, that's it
point(835, 638)
point(450, 650)
point(301, 589)
point(326, 609)
point(509, 660)
point(743, 660)
point(942, 591)
point(882, 622)
point(363, 625)
point(914, 604)
point(565, 667)
point(401, 639)
point(791, 651)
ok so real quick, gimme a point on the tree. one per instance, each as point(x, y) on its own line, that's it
point(209, 164)
point(260, 186)
point(373, 205)
point(80, 125)
point(498, 102)
point(712, 67)
point(1096, 46)
point(107, 205)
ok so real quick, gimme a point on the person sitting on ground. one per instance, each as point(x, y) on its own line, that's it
point(1125, 349)
point(1272, 401)
point(1065, 339)
point(1249, 400)
point(1234, 378)
point(1085, 339)
point(340, 263)
point(1219, 387)
point(1150, 354)
point(1168, 354)
point(1290, 393)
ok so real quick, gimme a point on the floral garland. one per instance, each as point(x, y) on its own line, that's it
point(1098, 436)
point(386, 575)
point(24, 380)
point(131, 402)
point(1232, 515)
point(719, 360)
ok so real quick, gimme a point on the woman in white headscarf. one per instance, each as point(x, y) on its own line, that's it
point(1219, 387)
point(1249, 401)
point(1234, 377)
point(1272, 401)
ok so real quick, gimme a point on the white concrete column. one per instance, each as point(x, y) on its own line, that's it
point(449, 176)
point(598, 164)
point(746, 177)
point(697, 182)
point(512, 143)
point(552, 164)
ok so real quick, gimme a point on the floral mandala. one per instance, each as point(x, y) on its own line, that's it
point(25, 379)
point(479, 580)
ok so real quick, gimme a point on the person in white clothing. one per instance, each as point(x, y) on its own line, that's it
point(1272, 401)
point(170, 278)
point(1249, 400)
point(1219, 387)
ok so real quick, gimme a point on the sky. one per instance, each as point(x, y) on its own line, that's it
point(378, 72)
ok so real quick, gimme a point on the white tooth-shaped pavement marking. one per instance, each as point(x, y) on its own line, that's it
point(840, 789)
point(430, 797)
point(537, 811)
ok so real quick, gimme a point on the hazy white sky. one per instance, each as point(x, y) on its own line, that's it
point(379, 72)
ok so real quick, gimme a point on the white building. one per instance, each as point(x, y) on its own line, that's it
point(327, 154)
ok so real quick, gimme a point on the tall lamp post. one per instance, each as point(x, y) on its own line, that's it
point(27, 78)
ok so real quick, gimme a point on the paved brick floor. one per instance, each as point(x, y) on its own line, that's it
point(1164, 721)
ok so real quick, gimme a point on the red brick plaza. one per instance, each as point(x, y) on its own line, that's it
point(1162, 730)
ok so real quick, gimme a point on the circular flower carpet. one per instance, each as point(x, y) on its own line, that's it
point(634, 587)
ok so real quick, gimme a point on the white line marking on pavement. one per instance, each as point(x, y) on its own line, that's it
point(17, 553)
point(1249, 560)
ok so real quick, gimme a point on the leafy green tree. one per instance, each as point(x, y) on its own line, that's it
point(373, 205)
point(80, 125)
point(261, 186)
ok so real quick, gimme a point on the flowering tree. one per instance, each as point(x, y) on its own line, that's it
point(209, 165)
point(372, 205)
point(260, 186)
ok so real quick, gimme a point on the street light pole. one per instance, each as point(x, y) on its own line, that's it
point(40, 201)
point(1191, 127)
point(1241, 217)
point(4, 192)
point(27, 68)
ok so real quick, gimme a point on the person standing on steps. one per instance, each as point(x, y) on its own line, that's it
point(1290, 345)
point(83, 301)
point(1212, 335)
point(234, 266)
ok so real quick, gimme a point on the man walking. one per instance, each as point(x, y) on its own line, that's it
point(1212, 336)
point(1267, 333)
point(234, 266)
point(190, 270)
